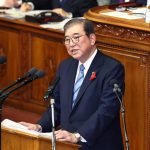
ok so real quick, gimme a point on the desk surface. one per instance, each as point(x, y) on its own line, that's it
point(95, 14)
point(22, 24)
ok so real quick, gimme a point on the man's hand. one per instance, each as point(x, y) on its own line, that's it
point(25, 7)
point(10, 3)
point(30, 126)
point(62, 135)
point(61, 12)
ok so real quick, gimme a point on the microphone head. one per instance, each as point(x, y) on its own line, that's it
point(38, 74)
point(2, 59)
point(113, 81)
point(115, 85)
point(51, 88)
point(31, 72)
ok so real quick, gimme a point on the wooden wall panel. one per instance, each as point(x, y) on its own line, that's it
point(46, 54)
point(26, 47)
point(134, 99)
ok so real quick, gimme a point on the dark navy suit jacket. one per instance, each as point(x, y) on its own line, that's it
point(143, 2)
point(95, 114)
point(76, 7)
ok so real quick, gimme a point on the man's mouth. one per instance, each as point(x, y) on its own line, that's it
point(74, 51)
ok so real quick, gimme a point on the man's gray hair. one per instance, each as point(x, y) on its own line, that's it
point(87, 25)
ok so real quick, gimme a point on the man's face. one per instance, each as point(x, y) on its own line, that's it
point(78, 44)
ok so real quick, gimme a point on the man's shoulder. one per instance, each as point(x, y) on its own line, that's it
point(107, 58)
point(68, 62)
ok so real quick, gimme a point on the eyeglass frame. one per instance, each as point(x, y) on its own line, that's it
point(72, 39)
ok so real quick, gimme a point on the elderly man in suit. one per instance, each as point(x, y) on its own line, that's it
point(86, 107)
point(74, 8)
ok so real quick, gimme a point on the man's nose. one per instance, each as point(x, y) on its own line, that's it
point(72, 43)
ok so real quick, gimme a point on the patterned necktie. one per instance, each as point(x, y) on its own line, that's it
point(78, 83)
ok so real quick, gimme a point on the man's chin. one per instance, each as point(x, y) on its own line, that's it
point(76, 57)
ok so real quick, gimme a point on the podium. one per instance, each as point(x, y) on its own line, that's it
point(17, 140)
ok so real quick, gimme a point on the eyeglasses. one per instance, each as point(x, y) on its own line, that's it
point(74, 39)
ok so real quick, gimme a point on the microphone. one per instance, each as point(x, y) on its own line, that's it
point(2, 59)
point(117, 91)
point(116, 88)
point(37, 75)
point(51, 88)
point(30, 76)
point(31, 72)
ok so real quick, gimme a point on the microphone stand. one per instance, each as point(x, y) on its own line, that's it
point(52, 102)
point(47, 95)
point(20, 79)
point(3, 96)
point(2, 99)
point(122, 109)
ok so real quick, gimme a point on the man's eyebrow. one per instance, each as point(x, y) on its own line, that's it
point(72, 35)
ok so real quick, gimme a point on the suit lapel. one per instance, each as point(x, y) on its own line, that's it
point(70, 86)
point(95, 67)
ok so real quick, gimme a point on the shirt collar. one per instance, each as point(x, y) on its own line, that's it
point(88, 62)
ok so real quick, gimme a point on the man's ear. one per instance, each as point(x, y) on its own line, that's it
point(92, 38)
